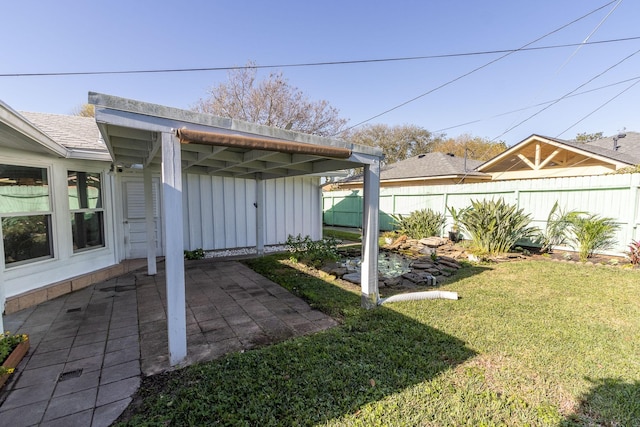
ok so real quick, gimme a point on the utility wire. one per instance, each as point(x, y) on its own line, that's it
point(479, 68)
point(637, 79)
point(574, 53)
point(314, 64)
point(599, 108)
point(566, 95)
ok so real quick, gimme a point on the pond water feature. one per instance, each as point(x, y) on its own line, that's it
point(390, 264)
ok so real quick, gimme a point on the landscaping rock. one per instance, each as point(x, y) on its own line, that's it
point(433, 242)
point(353, 278)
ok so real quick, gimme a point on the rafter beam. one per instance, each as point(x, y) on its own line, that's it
point(526, 161)
point(546, 161)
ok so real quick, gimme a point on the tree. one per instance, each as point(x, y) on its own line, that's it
point(272, 102)
point(84, 110)
point(476, 147)
point(588, 137)
point(397, 142)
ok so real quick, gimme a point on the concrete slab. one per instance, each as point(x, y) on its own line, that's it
point(90, 348)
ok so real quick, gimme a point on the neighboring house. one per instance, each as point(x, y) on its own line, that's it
point(437, 181)
point(80, 196)
point(423, 169)
point(545, 157)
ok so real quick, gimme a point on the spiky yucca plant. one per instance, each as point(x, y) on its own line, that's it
point(592, 233)
point(494, 225)
point(419, 224)
point(557, 229)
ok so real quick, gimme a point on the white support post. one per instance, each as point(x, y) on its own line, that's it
point(370, 229)
point(2, 298)
point(174, 243)
point(260, 216)
point(150, 223)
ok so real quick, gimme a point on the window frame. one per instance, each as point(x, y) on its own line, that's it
point(99, 209)
point(49, 215)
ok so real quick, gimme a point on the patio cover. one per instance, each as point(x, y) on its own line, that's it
point(173, 141)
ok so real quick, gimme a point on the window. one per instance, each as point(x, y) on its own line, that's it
point(87, 214)
point(25, 211)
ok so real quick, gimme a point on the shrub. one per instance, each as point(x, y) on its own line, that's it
point(557, 229)
point(194, 254)
point(494, 226)
point(312, 253)
point(634, 252)
point(420, 224)
point(592, 233)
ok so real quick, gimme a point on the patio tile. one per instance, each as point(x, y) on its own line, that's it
point(23, 416)
point(70, 404)
point(87, 350)
point(72, 385)
point(85, 339)
point(105, 415)
point(118, 372)
point(49, 358)
point(125, 331)
point(122, 343)
point(91, 363)
point(121, 356)
point(37, 376)
point(113, 392)
point(47, 345)
point(29, 395)
point(78, 419)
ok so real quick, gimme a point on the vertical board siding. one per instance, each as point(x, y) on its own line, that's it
point(614, 196)
point(219, 212)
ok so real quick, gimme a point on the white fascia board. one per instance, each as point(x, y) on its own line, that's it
point(14, 120)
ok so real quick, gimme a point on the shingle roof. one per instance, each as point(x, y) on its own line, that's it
point(628, 149)
point(72, 132)
point(426, 165)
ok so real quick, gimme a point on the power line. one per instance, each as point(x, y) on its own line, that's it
point(480, 67)
point(566, 95)
point(314, 64)
point(600, 107)
point(637, 79)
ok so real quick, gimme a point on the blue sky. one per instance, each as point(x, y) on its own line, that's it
point(70, 36)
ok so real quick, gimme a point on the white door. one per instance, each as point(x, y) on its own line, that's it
point(135, 229)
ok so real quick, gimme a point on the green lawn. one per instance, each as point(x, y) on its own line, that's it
point(529, 343)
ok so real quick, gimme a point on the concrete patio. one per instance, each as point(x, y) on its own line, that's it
point(89, 349)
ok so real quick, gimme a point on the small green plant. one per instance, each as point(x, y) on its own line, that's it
point(494, 225)
point(310, 252)
point(557, 229)
point(194, 254)
point(420, 224)
point(592, 233)
point(634, 252)
point(8, 343)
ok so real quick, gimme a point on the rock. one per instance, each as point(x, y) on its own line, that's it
point(451, 264)
point(353, 278)
point(422, 265)
point(426, 250)
point(398, 242)
point(408, 284)
point(433, 241)
point(393, 281)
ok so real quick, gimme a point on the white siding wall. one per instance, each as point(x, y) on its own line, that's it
point(220, 213)
point(615, 196)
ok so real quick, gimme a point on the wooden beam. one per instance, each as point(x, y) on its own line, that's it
point(538, 149)
point(526, 161)
point(150, 222)
point(155, 146)
point(548, 159)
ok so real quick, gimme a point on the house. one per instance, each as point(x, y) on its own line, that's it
point(424, 169)
point(533, 174)
point(544, 157)
point(80, 198)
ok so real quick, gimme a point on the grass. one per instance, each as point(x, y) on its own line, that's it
point(342, 235)
point(530, 343)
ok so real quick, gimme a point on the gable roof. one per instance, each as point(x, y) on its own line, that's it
point(80, 135)
point(596, 152)
point(426, 166)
